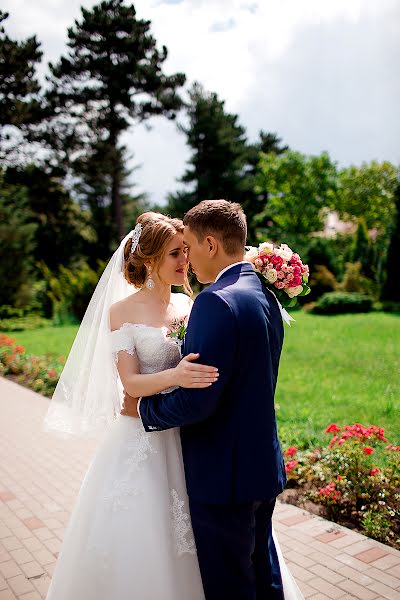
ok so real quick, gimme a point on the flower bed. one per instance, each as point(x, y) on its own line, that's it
point(355, 478)
point(40, 373)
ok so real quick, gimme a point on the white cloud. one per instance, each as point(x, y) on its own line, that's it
point(323, 75)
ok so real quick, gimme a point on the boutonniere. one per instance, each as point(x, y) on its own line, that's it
point(177, 330)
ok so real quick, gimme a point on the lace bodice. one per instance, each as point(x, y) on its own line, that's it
point(153, 348)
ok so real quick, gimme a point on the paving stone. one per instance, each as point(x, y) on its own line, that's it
point(395, 571)
point(21, 556)
point(362, 579)
point(329, 537)
point(384, 576)
point(323, 586)
point(20, 585)
point(32, 569)
point(11, 543)
point(326, 573)
point(371, 555)
point(9, 569)
point(294, 520)
point(384, 591)
point(7, 595)
point(33, 523)
point(31, 596)
point(357, 590)
point(6, 495)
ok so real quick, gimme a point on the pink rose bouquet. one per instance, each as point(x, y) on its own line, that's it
point(283, 271)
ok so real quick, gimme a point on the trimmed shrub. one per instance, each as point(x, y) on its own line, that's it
point(322, 281)
point(335, 303)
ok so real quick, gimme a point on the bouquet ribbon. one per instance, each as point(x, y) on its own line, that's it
point(285, 315)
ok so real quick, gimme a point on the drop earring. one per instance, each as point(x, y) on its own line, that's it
point(150, 281)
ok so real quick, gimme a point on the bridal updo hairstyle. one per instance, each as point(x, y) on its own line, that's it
point(158, 230)
point(222, 219)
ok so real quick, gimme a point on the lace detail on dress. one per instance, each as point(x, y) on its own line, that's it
point(123, 489)
point(181, 526)
point(122, 339)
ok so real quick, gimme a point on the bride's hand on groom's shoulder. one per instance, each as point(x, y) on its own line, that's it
point(194, 375)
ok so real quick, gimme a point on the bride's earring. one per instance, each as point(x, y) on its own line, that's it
point(150, 281)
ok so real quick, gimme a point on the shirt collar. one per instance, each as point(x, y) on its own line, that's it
point(241, 262)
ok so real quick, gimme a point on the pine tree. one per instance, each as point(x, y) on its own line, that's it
point(391, 287)
point(111, 79)
point(222, 164)
point(361, 249)
point(19, 101)
point(219, 153)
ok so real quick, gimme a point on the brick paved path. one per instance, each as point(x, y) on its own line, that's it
point(40, 476)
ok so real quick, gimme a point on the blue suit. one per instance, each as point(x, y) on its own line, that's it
point(233, 459)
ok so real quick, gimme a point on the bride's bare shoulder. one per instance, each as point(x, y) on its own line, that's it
point(127, 310)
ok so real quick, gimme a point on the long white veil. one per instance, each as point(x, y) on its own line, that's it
point(88, 396)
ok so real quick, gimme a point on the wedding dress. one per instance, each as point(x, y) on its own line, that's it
point(130, 535)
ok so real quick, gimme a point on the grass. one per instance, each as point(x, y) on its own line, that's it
point(56, 341)
point(342, 369)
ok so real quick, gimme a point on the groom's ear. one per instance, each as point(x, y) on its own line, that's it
point(212, 245)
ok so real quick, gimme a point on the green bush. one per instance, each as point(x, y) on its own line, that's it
point(70, 291)
point(10, 312)
point(355, 281)
point(334, 303)
point(22, 323)
point(322, 281)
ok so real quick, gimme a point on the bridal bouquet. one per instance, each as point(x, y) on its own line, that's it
point(282, 270)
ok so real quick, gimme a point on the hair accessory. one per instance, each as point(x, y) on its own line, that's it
point(135, 237)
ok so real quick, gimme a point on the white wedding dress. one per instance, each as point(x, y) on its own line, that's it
point(130, 535)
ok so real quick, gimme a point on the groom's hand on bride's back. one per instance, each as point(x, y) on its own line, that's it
point(129, 407)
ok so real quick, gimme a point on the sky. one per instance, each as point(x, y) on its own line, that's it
point(322, 74)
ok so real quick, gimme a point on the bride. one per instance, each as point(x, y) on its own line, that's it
point(130, 535)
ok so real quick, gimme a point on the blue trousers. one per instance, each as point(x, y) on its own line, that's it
point(236, 551)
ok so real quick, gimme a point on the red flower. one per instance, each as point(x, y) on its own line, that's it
point(19, 349)
point(374, 471)
point(291, 451)
point(290, 465)
point(368, 450)
point(332, 428)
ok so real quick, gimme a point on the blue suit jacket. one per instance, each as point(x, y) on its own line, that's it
point(230, 445)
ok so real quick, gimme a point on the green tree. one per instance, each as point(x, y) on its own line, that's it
point(391, 287)
point(19, 89)
point(111, 79)
point(254, 202)
point(299, 189)
point(368, 191)
point(219, 153)
point(17, 243)
point(62, 229)
point(361, 250)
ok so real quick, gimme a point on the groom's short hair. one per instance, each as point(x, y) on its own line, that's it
point(223, 219)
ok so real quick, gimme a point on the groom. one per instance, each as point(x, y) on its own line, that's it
point(233, 460)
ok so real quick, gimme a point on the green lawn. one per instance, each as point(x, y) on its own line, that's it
point(342, 369)
point(56, 341)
